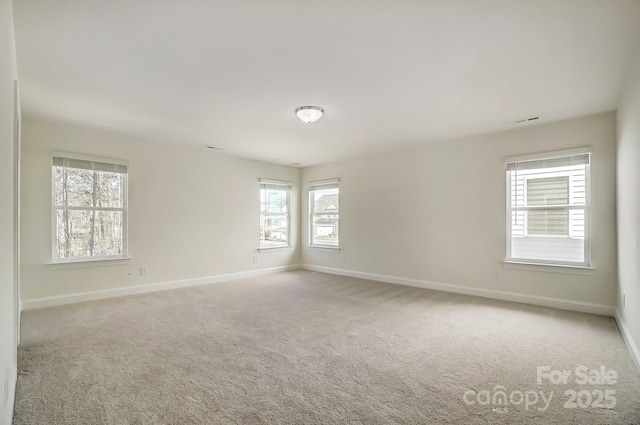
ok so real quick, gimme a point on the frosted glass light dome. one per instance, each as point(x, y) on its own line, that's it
point(309, 114)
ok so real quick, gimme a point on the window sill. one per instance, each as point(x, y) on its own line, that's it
point(275, 248)
point(325, 247)
point(79, 264)
point(551, 268)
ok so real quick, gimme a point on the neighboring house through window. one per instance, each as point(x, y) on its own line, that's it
point(89, 208)
point(548, 208)
point(324, 217)
point(274, 213)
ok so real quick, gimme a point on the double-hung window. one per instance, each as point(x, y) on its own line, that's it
point(324, 217)
point(89, 208)
point(275, 197)
point(548, 208)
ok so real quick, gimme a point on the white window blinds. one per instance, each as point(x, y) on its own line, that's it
point(83, 164)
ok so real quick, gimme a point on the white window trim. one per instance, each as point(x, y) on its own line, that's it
point(315, 184)
point(545, 155)
point(324, 247)
point(125, 221)
point(100, 262)
point(289, 187)
point(275, 248)
point(546, 265)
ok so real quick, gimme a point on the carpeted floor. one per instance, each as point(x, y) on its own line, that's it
point(311, 348)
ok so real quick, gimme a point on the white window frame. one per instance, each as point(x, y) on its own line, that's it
point(55, 208)
point(586, 264)
point(265, 184)
point(319, 185)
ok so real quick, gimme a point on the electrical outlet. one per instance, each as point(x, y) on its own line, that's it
point(144, 271)
point(344, 259)
point(255, 258)
point(624, 300)
point(496, 276)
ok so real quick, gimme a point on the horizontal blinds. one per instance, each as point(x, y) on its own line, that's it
point(274, 184)
point(561, 161)
point(548, 223)
point(548, 191)
point(84, 164)
point(324, 184)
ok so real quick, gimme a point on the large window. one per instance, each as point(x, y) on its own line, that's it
point(548, 208)
point(324, 208)
point(89, 208)
point(274, 213)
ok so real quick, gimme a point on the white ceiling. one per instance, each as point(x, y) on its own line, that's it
point(230, 73)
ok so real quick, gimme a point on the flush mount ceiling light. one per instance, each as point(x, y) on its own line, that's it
point(309, 114)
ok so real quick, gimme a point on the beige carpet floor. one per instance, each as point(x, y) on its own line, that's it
point(311, 348)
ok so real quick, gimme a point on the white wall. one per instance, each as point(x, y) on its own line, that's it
point(629, 210)
point(8, 308)
point(193, 212)
point(436, 213)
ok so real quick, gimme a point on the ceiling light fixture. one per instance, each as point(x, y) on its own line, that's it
point(309, 114)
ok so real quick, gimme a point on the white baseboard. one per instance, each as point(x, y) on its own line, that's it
point(628, 339)
point(142, 289)
point(600, 309)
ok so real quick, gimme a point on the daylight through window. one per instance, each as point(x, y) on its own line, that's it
point(89, 208)
point(274, 213)
point(548, 209)
point(324, 207)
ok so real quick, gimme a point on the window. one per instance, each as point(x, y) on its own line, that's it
point(89, 208)
point(324, 208)
point(547, 191)
point(274, 213)
point(548, 208)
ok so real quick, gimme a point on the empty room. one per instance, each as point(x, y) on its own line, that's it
point(340, 212)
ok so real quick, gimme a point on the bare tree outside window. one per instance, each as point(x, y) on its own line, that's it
point(90, 209)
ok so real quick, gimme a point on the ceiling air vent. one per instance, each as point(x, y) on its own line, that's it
point(527, 120)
